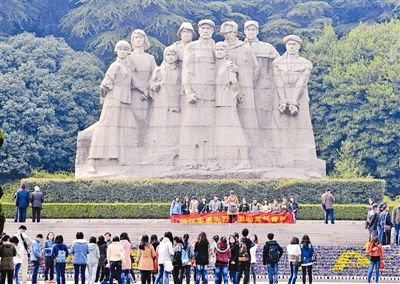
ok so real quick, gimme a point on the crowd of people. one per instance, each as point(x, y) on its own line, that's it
point(232, 206)
point(107, 258)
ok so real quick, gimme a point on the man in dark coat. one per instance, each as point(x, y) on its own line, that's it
point(22, 202)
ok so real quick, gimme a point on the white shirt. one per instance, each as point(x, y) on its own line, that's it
point(294, 252)
point(165, 251)
point(253, 253)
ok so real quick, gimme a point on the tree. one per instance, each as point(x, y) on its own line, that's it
point(347, 165)
point(355, 96)
point(48, 92)
point(1, 138)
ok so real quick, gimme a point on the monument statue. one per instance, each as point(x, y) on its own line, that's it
point(264, 85)
point(292, 131)
point(228, 109)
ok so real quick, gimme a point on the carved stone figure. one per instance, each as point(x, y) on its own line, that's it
point(198, 79)
point(164, 121)
point(292, 130)
point(186, 33)
point(264, 85)
point(248, 69)
point(110, 134)
point(230, 142)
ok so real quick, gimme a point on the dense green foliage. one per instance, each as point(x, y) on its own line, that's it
point(161, 211)
point(48, 92)
point(347, 165)
point(355, 91)
point(164, 190)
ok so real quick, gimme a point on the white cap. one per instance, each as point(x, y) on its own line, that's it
point(250, 23)
point(37, 188)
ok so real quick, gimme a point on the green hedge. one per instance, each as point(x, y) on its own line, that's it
point(161, 211)
point(164, 190)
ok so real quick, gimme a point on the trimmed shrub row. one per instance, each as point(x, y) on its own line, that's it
point(161, 211)
point(164, 190)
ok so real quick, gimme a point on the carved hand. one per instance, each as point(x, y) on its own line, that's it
point(143, 97)
point(193, 98)
point(282, 106)
point(155, 87)
point(240, 99)
point(235, 87)
point(294, 109)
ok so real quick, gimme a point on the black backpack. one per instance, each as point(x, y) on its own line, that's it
point(243, 253)
point(273, 253)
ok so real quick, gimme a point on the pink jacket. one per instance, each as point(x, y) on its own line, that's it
point(126, 263)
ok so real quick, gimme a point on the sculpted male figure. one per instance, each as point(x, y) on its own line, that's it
point(248, 69)
point(186, 33)
point(293, 133)
point(198, 80)
point(264, 85)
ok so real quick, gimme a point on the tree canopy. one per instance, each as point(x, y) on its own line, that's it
point(48, 92)
point(355, 91)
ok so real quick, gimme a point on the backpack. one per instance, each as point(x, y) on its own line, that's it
point(243, 253)
point(185, 257)
point(61, 256)
point(273, 253)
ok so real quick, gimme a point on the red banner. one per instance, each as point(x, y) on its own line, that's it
point(243, 217)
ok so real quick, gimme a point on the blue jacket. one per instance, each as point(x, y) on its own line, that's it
point(176, 208)
point(22, 199)
point(80, 251)
point(57, 247)
point(306, 255)
point(35, 250)
point(48, 245)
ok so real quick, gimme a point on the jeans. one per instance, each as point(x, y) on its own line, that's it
point(293, 273)
point(329, 214)
point(115, 268)
point(186, 271)
point(126, 276)
point(396, 234)
point(273, 270)
point(253, 271)
point(221, 272)
point(373, 264)
point(16, 272)
point(60, 273)
point(244, 267)
point(163, 276)
point(202, 273)
point(49, 268)
point(233, 275)
point(82, 269)
point(386, 237)
point(380, 234)
point(16, 218)
point(36, 214)
point(91, 268)
point(22, 214)
point(35, 271)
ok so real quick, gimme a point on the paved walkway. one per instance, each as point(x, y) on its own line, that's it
point(346, 233)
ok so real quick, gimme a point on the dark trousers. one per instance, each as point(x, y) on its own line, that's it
point(244, 267)
point(386, 237)
point(22, 214)
point(185, 271)
point(175, 275)
point(35, 271)
point(49, 268)
point(82, 269)
point(6, 273)
point(396, 234)
point(36, 214)
point(115, 270)
point(305, 270)
point(102, 273)
point(232, 218)
point(60, 273)
point(145, 276)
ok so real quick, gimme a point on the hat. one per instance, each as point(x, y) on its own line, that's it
point(206, 22)
point(232, 24)
point(251, 22)
point(185, 26)
point(37, 188)
point(292, 37)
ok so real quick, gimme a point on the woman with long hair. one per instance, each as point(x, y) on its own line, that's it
point(294, 256)
point(253, 256)
point(375, 252)
point(307, 258)
point(234, 259)
point(126, 267)
point(102, 272)
point(49, 260)
point(201, 249)
point(165, 254)
point(186, 267)
point(146, 259)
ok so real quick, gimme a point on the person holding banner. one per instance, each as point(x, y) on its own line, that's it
point(233, 206)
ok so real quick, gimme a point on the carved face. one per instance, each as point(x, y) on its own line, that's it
point(251, 32)
point(220, 52)
point(293, 47)
point(123, 52)
point(186, 35)
point(206, 31)
point(170, 57)
point(230, 34)
point(138, 40)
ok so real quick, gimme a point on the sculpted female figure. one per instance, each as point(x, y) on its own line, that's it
point(109, 137)
point(186, 33)
point(230, 142)
point(164, 121)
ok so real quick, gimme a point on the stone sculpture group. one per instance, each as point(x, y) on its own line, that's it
point(228, 109)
